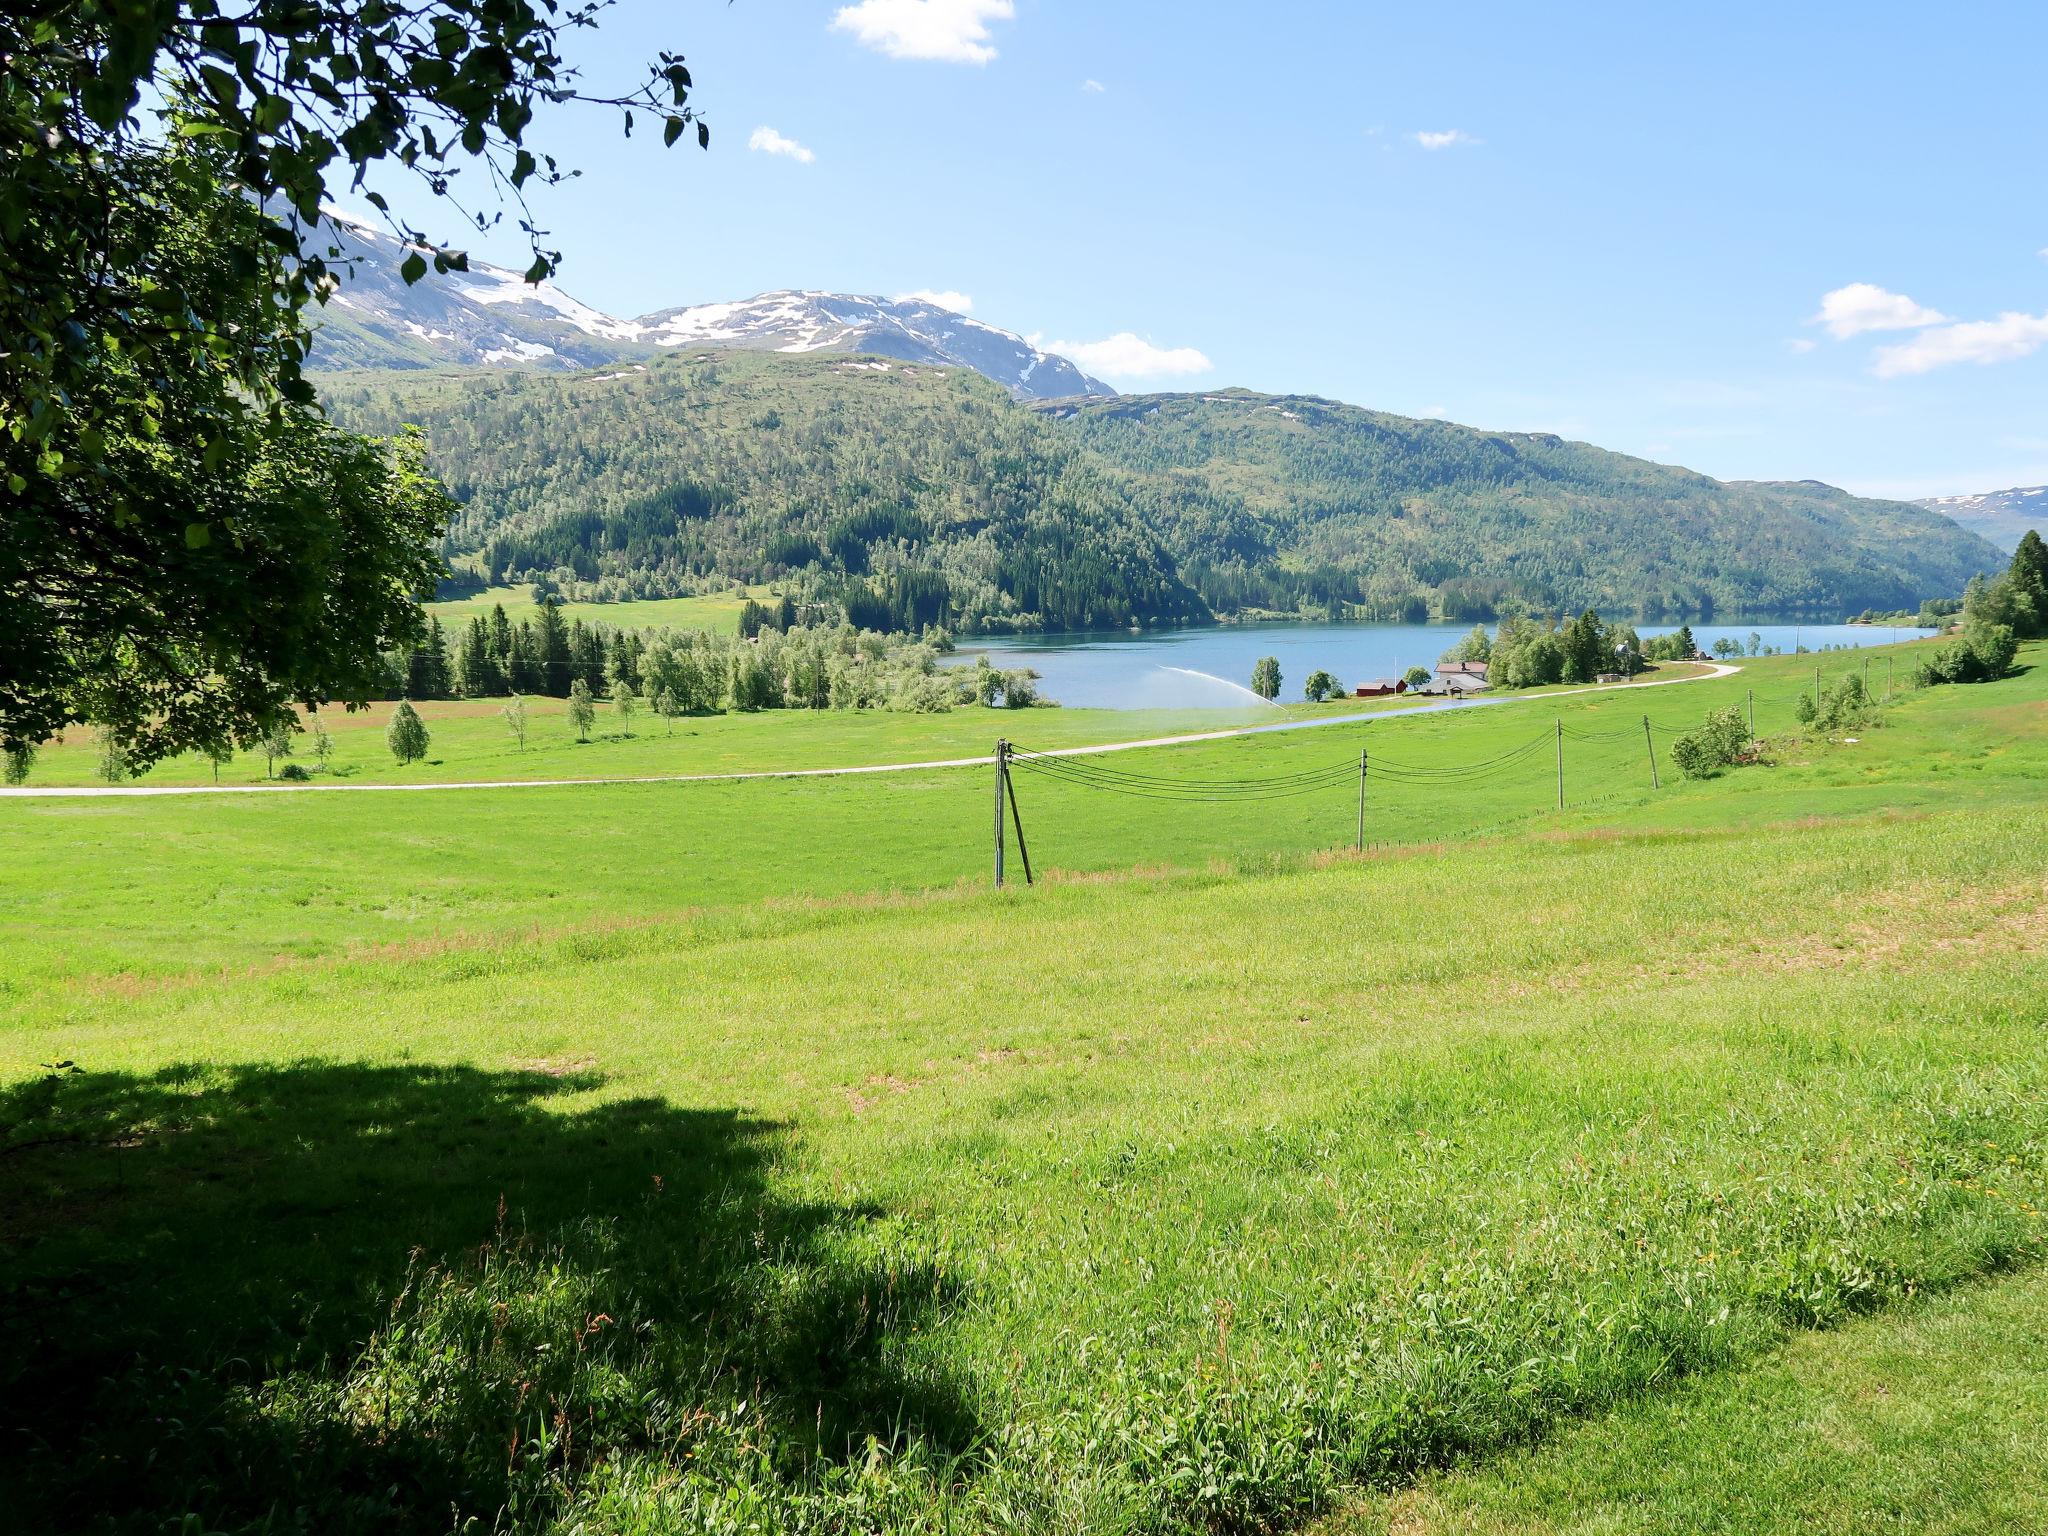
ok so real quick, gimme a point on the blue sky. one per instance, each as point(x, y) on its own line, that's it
point(1617, 222)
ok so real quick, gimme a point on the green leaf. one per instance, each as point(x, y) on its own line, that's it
point(197, 536)
point(414, 268)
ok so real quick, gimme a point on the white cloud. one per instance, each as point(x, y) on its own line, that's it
point(945, 298)
point(1096, 88)
point(2011, 335)
point(1444, 138)
point(1129, 356)
point(1860, 307)
point(954, 31)
point(769, 142)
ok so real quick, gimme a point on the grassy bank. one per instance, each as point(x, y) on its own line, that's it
point(666, 1157)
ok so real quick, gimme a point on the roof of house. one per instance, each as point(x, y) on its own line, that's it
point(1466, 668)
point(1463, 682)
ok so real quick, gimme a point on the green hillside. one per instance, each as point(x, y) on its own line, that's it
point(913, 495)
point(1306, 500)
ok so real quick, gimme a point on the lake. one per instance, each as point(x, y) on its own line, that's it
point(1208, 667)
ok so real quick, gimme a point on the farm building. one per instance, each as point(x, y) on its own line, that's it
point(1380, 687)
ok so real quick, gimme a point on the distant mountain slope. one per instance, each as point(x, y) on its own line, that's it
point(912, 493)
point(486, 317)
point(2003, 517)
point(911, 329)
point(490, 317)
point(1285, 501)
point(930, 491)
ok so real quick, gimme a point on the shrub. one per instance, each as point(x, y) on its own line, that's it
point(1846, 704)
point(1020, 688)
point(1718, 744)
point(16, 762)
point(1982, 654)
point(1320, 686)
point(296, 772)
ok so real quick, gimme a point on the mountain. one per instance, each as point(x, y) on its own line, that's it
point(2003, 517)
point(909, 493)
point(489, 317)
point(1290, 501)
point(909, 328)
point(872, 478)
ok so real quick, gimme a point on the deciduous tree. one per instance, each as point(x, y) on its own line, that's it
point(406, 736)
point(1266, 677)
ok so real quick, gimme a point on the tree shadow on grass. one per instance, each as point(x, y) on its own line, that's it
point(342, 1296)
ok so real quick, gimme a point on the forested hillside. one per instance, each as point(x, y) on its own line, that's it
point(1285, 501)
point(912, 494)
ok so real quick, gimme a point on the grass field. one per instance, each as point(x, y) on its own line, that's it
point(715, 611)
point(726, 1156)
point(1926, 1420)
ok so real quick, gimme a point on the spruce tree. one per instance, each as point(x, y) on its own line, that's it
point(551, 637)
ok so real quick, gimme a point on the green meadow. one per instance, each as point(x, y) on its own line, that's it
point(728, 1156)
point(718, 611)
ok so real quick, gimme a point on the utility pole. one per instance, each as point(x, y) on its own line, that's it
point(1363, 758)
point(1887, 679)
point(1002, 780)
point(1816, 687)
point(1752, 715)
point(1866, 676)
point(1016, 816)
point(1560, 764)
point(1650, 742)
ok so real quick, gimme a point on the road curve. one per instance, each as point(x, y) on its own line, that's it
point(145, 791)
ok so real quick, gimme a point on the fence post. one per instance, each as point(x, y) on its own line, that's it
point(1650, 742)
point(1002, 778)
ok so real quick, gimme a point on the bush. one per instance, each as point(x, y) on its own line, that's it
point(296, 772)
point(1718, 744)
point(1845, 705)
point(1983, 654)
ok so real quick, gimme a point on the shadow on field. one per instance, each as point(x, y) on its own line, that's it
point(348, 1297)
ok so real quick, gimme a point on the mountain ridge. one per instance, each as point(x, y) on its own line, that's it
point(491, 317)
point(2003, 517)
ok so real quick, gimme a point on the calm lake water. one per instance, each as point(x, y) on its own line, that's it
point(1208, 668)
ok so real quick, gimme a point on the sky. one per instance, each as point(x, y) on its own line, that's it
point(1764, 241)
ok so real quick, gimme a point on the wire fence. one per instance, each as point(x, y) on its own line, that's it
point(1085, 769)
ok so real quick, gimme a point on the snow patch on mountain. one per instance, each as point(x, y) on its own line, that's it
point(2003, 517)
point(491, 316)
